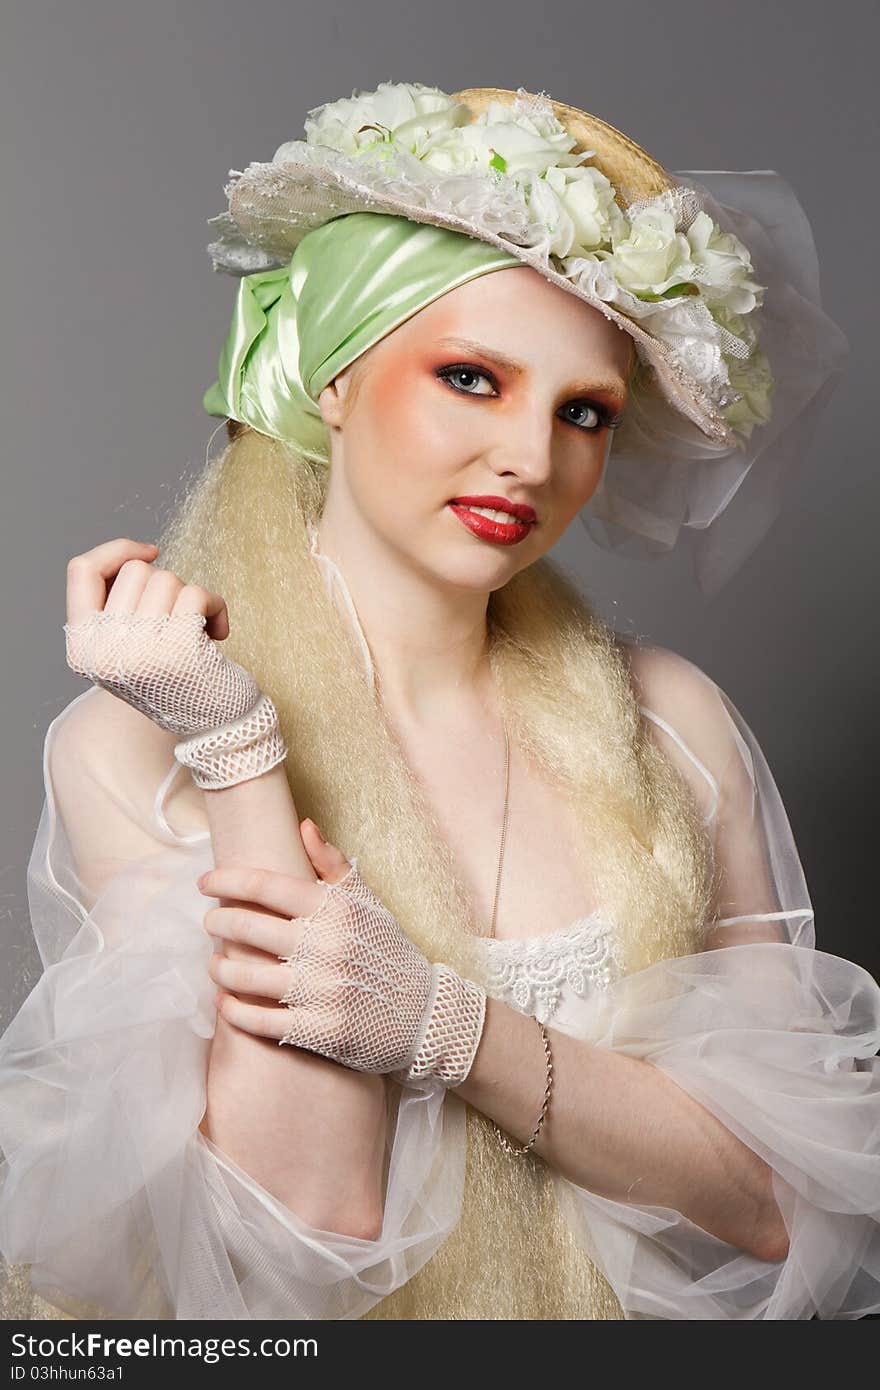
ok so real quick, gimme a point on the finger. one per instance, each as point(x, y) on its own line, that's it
point(195, 599)
point(296, 1023)
point(89, 574)
point(263, 1021)
point(261, 979)
point(261, 930)
point(329, 861)
point(283, 893)
point(127, 588)
point(159, 594)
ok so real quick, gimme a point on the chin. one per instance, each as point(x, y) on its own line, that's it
point(479, 566)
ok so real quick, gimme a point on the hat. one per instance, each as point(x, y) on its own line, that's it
point(721, 299)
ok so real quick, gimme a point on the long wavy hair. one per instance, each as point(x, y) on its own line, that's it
point(241, 529)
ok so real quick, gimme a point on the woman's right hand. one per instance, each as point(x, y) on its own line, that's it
point(145, 636)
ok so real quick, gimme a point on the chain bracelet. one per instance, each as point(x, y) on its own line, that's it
point(525, 1148)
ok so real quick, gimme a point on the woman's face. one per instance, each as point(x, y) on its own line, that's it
point(503, 388)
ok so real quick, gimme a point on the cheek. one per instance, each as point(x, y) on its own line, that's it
point(581, 473)
point(404, 417)
point(411, 434)
point(399, 456)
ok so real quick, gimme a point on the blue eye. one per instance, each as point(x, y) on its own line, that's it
point(585, 405)
point(605, 418)
point(447, 373)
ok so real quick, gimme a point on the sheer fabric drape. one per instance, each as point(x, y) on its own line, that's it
point(119, 1203)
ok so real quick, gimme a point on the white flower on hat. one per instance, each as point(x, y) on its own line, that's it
point(446, 152)
point(407, 112)
point(652, 256)
point(590, 274)
point(504, 146)
point(549, 212)
point(688, 327)
point(750, 375)
point(522, 144)
point(753, 380)
point(587, 198)
point(724, 265)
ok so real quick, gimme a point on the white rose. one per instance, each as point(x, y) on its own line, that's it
point(740, 327)
point(446, 152)
point(754, 381)
point(407, 112)
point(542, 122)
point(550, 213)
point(588, 198)
point(518, 146)
point(687, 326)
point(654, 256)
point(591, 275)
point(530, 142)
point(724, 266)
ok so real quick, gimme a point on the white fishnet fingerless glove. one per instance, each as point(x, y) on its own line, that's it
point(364, 995)
point(167, 667)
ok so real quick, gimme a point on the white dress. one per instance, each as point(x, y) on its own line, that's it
point(120, 1204)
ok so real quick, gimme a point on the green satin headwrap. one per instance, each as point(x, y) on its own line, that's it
point(349, 282)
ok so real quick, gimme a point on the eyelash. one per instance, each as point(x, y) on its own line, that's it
point(607, 419)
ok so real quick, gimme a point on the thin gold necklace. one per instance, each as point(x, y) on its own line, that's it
point(503, 827)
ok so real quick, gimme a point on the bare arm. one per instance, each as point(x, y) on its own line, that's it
point(621, 1128)
point(617, 1125)
point(310, 1131)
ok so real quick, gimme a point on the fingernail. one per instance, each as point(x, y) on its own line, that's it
point(317, 831)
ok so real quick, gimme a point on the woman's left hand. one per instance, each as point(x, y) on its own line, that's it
point(346, 980)
point(278, 934)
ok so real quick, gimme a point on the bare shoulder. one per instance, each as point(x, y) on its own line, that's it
point(666, 682)
point(686, 713)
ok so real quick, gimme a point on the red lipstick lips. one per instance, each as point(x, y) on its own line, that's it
point(522, 517)
point(502, 504)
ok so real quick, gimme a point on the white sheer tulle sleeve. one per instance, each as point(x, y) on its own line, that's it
point(777, 1039)
point(110, 1192)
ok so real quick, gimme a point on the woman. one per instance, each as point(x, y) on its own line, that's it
point(555, 1041)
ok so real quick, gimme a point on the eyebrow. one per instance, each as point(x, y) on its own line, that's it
point(613, 387)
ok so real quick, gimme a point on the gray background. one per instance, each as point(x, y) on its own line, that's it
point(119, 125)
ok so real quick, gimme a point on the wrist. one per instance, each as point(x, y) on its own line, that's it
point(237, 752)
point(453, 1027)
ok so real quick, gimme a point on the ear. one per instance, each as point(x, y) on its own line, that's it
point(333, 401)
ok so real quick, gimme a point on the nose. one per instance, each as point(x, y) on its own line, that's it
point(526, 450)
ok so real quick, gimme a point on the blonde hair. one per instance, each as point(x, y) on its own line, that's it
point(241, 529)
